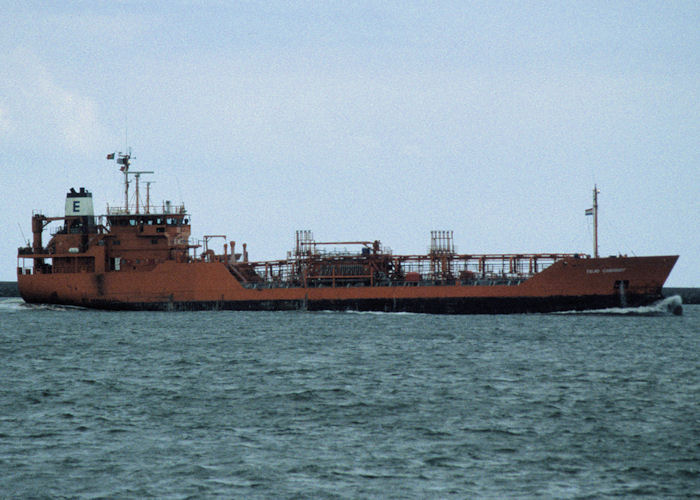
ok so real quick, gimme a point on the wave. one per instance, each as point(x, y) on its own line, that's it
point(669, 306)
point(353, 311)
point(17, 304)
point(12, 304)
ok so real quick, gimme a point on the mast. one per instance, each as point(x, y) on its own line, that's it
point(595, 221)
point(148, 196)
point(137, 174)
point(124, 159)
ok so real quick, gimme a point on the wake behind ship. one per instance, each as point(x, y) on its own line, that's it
point(141, 257)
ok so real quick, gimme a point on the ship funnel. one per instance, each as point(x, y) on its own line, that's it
point(79, 204)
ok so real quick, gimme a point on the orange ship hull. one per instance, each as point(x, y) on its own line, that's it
point(568, 284)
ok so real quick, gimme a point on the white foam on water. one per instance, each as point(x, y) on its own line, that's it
point(12, 304)
point(376, 313)
point(17, 304)
point(667, 306)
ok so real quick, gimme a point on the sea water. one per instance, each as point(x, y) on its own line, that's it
point(348, 405)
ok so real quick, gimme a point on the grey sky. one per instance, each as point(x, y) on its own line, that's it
point(365, 120)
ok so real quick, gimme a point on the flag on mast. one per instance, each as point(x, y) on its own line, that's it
point(110, 156)
point(589, 211)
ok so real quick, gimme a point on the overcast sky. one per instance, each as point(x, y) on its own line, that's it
point(364, 120)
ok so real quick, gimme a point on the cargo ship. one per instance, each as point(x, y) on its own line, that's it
point(141, 256)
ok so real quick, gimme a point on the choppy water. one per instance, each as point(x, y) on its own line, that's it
point(343, 405)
